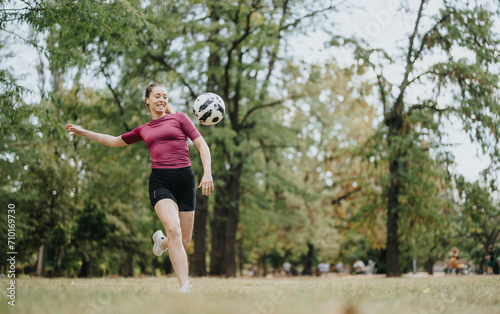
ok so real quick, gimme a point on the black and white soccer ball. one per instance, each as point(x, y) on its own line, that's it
point(209, 109)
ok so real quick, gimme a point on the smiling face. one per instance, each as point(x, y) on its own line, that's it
point(157, 101)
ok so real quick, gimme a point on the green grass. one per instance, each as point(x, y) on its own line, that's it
point(472, 294)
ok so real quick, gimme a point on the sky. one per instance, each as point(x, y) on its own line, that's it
point(379, 22)
point(384, 25)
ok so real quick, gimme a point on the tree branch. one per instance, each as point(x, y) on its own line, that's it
point(346, 195)
point(425, 105)
point(117, 102)
point(311, 14)
point(233, 47)
point(409, 62)
point(273, 54)
point(27, 41)
point(272, 104)
point(416, 78)
point(383, 95)
point(426, 35)
point(169, 66)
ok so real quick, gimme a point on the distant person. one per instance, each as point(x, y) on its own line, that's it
point(339, 267)
point(490, 258)
point(324, 268)
point(251, 272)
point(453, 260)
point(287, 267)
point(371, 267)
point(172, 182)
point(359, 267)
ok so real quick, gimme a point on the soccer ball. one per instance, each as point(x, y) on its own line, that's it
point(209, 109)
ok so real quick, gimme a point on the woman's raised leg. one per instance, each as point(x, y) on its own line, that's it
point(187, 224)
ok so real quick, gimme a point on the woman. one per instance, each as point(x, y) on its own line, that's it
point(171, 183)
point(454, 260)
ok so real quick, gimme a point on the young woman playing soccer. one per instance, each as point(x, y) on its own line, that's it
point(172, 182)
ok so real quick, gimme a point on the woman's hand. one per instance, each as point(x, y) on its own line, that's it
point(74, 129)
point(206, 184)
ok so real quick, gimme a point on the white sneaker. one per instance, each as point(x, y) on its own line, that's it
point(157, 238)
point(186, 288)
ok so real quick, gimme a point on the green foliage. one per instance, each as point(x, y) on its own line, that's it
point(92, 228)
point(408, 143)
point(296, 160)
point(479, 216)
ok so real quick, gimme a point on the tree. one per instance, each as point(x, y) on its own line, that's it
point(33, 174)
point(307, 170)
point(94, 175)
point(235, 48)
point(452, 52)
point(249, 78)
point(479, 214)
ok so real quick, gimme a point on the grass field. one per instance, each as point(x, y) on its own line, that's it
point(472, 294)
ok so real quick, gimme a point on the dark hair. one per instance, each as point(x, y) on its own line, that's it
point(149, 89)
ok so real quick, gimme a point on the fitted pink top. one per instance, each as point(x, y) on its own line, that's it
point(166, 139)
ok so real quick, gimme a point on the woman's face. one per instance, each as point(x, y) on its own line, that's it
point(158, 100)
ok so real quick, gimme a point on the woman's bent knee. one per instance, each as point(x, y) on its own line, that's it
point(173, 231)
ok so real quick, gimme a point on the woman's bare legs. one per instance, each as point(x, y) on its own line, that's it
point(177, 226)
point(187, 223)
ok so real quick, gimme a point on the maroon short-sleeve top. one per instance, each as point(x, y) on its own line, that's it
point(166, 139)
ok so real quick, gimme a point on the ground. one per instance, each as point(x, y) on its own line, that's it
point(310, 295)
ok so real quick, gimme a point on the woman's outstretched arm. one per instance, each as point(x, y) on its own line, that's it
point(108, 140)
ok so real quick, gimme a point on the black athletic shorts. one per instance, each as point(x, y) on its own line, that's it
point(175, 184)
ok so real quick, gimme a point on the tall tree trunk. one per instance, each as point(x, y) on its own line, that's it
point(57, 261)
point(155, 265)
point(86, 269)
point(262, 266)
point(240, 256)
point(127, 269)
point(132, 262)
point(308, 261)
point(393, 269)
point(220, 211)
point(429, 265)
point(395, 131)
point(124, 269)
point(197, 265)
point(40, 266)
point(218, 226)
point(481, 268)
point(233, 218)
